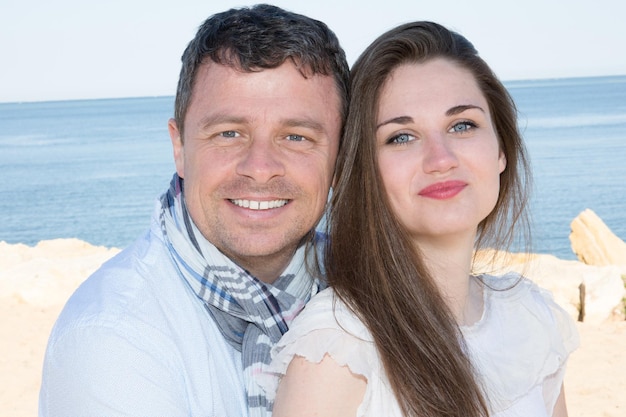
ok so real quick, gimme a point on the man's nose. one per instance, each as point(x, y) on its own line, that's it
point(261, 160)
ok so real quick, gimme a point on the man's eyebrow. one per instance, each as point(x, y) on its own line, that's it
point(216, 119)
point(305, 123)
point(461, 108)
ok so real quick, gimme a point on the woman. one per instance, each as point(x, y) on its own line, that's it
point(432, 167)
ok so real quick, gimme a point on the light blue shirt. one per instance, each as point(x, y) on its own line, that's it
point(133, 340)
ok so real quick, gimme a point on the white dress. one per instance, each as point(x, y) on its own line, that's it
point(519, 347)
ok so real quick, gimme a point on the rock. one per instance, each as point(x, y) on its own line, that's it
point(48, 273)
point(594, 243)
point(603, 288)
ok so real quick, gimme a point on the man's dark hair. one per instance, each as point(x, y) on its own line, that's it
point(262, 37)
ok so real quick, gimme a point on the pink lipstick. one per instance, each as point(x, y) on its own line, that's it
point(443, 190)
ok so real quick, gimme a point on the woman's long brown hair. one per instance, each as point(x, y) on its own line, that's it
point(371, 262)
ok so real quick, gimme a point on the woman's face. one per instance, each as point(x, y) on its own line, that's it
point(438, 152)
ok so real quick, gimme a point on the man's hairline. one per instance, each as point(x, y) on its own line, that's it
point(207, 61)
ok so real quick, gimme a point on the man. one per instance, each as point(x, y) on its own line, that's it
point(179, 323)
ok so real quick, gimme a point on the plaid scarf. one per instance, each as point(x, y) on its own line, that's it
point(251, 314)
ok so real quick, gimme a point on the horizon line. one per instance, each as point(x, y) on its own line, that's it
point(131, 97)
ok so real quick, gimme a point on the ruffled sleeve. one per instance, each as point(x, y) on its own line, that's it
point(327, 327)
point(521, 345)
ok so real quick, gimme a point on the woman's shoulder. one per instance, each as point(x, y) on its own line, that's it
point(327, 311)
point(513, 291)
point(326, 326)
point(522, 339)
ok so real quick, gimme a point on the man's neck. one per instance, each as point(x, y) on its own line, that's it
point(265, 268)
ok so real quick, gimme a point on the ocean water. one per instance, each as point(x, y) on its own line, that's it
point(87, 169)
point(93, 169)
point(575, 132)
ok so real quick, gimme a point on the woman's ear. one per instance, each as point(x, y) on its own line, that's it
point(502, 161)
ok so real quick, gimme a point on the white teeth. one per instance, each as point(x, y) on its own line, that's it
point(259, 205)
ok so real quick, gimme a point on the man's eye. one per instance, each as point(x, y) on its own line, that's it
point(229, 134)
point(296, 138)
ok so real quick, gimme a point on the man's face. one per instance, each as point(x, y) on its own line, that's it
point(258, 157)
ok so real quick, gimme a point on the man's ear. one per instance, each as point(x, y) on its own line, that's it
point(177, 147)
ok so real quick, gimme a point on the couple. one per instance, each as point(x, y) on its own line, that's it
point(426, 165)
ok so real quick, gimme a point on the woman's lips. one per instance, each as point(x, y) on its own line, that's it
point(443, 190)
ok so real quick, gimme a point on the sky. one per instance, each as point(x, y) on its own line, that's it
point(85, 49)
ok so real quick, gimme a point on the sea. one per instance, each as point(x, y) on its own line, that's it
point(93, 169)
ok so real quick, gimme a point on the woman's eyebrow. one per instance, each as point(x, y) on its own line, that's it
point(461, 108)
point(400, 120)
point(451, 112)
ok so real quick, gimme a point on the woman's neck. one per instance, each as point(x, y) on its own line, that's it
point(450, 266)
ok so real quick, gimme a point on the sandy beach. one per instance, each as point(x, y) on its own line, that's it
point(36, 281)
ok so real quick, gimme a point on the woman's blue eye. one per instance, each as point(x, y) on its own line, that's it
point(401, 138)
point(463, 126)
